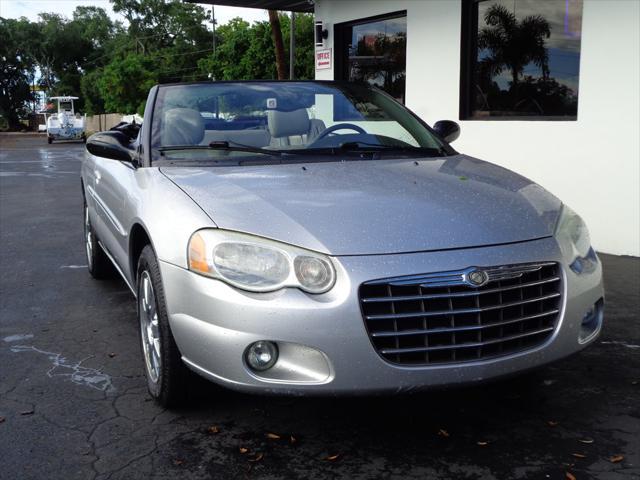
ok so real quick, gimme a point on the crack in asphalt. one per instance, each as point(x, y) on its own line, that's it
point(78, 374)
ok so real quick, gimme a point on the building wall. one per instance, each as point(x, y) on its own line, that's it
point(592, 164)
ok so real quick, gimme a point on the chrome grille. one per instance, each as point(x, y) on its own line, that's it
point(444, 318)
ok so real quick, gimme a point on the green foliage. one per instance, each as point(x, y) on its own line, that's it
point(125, 83)
point(247, 52)
point(90, 92)
point(111, 67)
point(16, 71)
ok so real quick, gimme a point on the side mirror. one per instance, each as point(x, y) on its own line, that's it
point(113, 144)
point(447, 129)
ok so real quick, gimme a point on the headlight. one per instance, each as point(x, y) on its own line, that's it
point(573, 236)
point(258, 264)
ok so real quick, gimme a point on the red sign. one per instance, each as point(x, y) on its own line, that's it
point(323, 59)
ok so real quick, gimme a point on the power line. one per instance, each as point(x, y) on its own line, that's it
point(157, 55)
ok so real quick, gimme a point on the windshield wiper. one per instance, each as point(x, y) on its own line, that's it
point(224, 146)
point(370, 147)
point(364, 146)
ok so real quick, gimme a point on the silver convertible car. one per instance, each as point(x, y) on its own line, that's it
point(319, 238)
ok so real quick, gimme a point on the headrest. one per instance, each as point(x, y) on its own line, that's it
point(287, 124)
point(182, 126)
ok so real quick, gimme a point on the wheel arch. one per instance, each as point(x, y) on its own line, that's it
point(138, 239)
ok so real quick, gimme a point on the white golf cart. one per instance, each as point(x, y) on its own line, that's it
point(66, 124)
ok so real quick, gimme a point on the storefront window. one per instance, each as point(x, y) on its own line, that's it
point(374, 51)
point(521, 59)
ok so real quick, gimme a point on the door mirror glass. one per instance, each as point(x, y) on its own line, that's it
point(113, 145)
point(447, 129)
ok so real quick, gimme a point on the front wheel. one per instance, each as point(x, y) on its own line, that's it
point(166, 373)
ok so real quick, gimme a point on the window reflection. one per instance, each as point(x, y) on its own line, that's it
point(377, 54)
point(526, 59)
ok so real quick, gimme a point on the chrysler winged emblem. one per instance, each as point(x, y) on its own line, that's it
point(477, 278)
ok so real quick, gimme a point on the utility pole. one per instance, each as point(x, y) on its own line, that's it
point(213, 25)
point(292, 46)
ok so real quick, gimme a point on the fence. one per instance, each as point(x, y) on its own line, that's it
point(103, 121)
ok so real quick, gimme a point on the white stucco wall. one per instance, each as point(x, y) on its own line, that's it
point(592, 164)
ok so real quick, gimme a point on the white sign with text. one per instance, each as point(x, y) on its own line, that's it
point(323, 59)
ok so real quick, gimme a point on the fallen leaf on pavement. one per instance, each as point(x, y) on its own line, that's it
point(27, 412)
point(257, 458)
point(2, 419)
point(552, 423)
point(243, 450)
point(570, 476)
point(273, 436)
point(482, 444)
point(333, 458)
point(616, 458)
point(588, 441)
point(578, 455)
point(443, 433)
point(213, 429)
point(178, 461)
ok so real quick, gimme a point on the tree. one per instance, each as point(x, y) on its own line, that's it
point(512, 44)
point(304, 67)
point(16, 71)
point(91, 93)
point(125, 83)
point(276, 31)
point(112, 66)
point(247, 51)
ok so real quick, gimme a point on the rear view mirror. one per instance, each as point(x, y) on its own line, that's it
point(447, 129)
point(113, 145)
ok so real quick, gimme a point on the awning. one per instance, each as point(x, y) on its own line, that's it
point(288, 5)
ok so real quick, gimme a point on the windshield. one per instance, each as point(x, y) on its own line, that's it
point(202, 122)
point(66, 106)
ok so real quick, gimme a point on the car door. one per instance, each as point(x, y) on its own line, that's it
point(91, 178)
point(113, 180)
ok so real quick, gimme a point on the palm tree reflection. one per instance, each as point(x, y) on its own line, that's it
point(509, 45)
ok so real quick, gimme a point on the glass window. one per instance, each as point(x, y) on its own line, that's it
point(521, 59)
point(204, 120)
point(375, 51)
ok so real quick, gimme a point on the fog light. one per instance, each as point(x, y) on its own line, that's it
point(262, 355)
point(591, 322)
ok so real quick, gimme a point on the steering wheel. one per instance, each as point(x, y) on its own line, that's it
point(339, 126)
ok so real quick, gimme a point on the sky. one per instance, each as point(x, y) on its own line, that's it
point(31, 9)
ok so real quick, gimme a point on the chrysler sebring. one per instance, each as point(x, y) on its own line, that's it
point(320, 238)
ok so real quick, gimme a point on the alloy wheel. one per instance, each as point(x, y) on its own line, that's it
point(149, 327)
point(88, 239)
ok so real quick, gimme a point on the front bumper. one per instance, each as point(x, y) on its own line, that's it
point(324, 345)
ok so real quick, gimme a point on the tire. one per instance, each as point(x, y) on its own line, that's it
point(49, 140)
point(167, 376)
point(98, 263)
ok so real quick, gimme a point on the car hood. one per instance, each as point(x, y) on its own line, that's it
point(376, 206)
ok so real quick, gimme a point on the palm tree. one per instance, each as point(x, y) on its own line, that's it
point(513, 44)
point(276, 32)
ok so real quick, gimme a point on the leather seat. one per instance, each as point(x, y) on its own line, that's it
point(182, 126)
point(292, 128)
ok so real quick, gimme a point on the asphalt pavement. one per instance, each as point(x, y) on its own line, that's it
point(73, 400)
